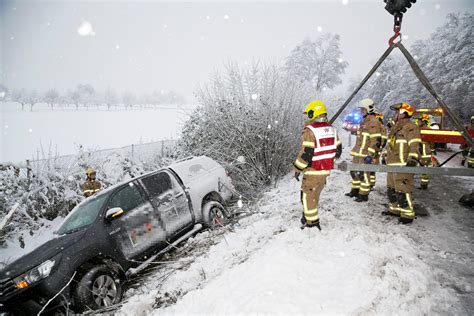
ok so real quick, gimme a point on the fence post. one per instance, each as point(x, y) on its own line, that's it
point(28, 170)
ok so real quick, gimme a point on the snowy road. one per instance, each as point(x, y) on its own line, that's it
point(361, 263)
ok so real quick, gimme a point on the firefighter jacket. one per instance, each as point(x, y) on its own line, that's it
point(369, 137)
point(426, 152)
point(403, 143)
point(320, 145)
point(90, 187)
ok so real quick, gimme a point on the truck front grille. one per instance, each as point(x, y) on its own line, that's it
point(6, 287)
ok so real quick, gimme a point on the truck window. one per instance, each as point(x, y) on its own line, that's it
point(127, 198)
point(158, 184)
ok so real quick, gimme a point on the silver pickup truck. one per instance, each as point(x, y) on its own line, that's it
point(114, 234)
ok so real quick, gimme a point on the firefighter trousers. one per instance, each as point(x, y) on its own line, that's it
point(311, 188)
point(360, 180)
point(399, 191)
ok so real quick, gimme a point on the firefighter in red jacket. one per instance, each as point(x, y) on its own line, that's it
point(320, 147)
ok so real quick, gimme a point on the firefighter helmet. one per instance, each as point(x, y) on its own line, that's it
point(368, 104)
point(403, 108)
point(90, 171)
point(315, 109)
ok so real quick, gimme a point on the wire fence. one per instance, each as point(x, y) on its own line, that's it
point(143, 152)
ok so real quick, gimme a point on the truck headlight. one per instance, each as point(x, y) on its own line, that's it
point(34, 275)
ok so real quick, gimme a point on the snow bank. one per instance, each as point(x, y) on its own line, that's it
point(360, 263)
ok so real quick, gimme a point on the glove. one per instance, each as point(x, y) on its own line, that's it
point(368, 160)
point(412, 162)
point(297, 176)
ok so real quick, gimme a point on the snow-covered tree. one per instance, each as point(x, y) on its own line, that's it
point(447, 60)
point(109, 98)
point(317, 64)
point(247, 121)
point(20, 96)
point(128, 99)
point(51, 97)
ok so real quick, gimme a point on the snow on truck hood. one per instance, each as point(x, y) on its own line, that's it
point(193, 168)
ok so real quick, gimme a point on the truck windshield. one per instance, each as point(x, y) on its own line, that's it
point(82, 215)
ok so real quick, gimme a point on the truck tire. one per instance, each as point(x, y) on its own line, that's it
point(214, 215)
point(100, 287)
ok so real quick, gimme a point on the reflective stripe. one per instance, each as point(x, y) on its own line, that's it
point(426, 156)
point(364, 138)
point(414, 140)
point(325, 148)
point(401, 141)
point(300, 164)
point(396, 164)
point(311, 215)
point(371, 150)
point(308, 144)
point(366, 134)
point(356, 154)
point(401, 153)
point(338, 142)
point(322, 157)
point(375, 135)
point(413, 155)
point(316, 172)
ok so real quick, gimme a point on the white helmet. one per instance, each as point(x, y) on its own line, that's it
point(368, 104)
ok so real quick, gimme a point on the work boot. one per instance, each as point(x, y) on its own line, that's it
point(314, 224)
point(362, 198)
point(423, 187)
point(353, 193)
point(390, 214)
point(405, 220)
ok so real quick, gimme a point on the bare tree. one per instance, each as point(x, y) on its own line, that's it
point(51, 97)
point(128, 99)
point(32, 98)
point(20, 96)
point(110, 98)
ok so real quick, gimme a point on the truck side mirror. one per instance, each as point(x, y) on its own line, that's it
point(113, 213)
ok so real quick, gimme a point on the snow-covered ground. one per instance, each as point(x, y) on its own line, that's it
point(360, 263)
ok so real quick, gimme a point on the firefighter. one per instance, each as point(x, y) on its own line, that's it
point(426, 151)
point(320, 147)
point(467, 152)
point(402, 150)
point(366, 147)
point(379, 115)
point(91, 186)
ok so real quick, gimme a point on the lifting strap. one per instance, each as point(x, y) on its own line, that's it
point(421, 77)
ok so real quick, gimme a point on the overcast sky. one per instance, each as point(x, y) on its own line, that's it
point(150, 45)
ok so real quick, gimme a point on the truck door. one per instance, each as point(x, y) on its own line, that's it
point(168, 196)
point(138, 230)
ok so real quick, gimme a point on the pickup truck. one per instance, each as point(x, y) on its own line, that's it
point(114, 234)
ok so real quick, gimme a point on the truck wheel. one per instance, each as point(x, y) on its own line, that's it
point(214, 215)
point(100, 287)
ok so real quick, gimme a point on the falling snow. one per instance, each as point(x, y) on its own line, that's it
point(320, 28)
point(254, 96)
point(226, 16)
point(86, 29)
point(438, 6)
point(345, 2)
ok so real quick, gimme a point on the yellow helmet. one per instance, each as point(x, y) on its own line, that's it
point(90, 171)
point(315, 109)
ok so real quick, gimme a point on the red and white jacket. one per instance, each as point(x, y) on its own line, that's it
point(319, 147)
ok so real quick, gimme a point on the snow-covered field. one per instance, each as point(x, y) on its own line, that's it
point(360, 263)
point(63, 130)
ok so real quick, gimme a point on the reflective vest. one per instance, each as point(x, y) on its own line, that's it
point(325, 145)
